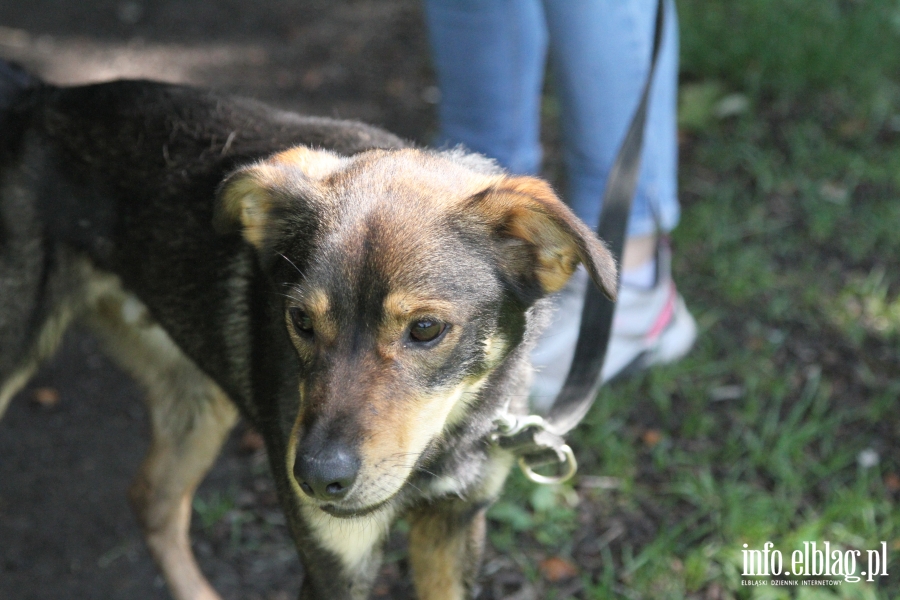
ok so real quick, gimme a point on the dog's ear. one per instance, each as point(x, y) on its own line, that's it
point(548, 239)
point(246, 203)
point(254, 198)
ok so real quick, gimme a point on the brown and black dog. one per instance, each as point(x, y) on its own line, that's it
point(368, 307)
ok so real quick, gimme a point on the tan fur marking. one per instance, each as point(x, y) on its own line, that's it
point(499, 465)
point(495, 348)
point(444, 558)
point(528, 209)
point(405, 305)
point(351, 540)
point(556, 255)
point(315, 164)
point(246, 202)
point(412, 428)
point(291, 456)
point(316, 304)
point(436, 569)
point(461, 397)
point(404, 430)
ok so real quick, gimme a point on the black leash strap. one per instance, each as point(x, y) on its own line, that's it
point(539, 440)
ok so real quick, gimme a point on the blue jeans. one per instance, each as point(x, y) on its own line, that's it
point(490, 57)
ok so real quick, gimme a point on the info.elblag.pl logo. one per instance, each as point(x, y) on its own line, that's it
point(815, 560)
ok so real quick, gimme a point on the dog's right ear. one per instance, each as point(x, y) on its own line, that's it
point(545, 241)
point(255, 198)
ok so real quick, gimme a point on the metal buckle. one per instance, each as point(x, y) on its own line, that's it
point(567, 460)
point(508, 426)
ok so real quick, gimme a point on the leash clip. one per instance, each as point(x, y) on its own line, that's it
point(565, 457)
point(535, 445)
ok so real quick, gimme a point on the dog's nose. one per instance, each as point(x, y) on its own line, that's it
point(328, 474)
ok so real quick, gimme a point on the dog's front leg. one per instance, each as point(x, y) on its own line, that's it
point(446, 542)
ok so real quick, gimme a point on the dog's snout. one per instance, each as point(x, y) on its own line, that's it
point(328, 474)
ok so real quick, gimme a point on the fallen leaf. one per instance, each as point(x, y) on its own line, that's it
point(47, 397)
point(892, 482)
point(312, 79)
point(557, 569)
point(251, 441)
point(651, 437)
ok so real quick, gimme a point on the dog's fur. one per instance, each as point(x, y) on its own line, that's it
point(366, 306)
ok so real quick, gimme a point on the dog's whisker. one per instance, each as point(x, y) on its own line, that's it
point(288, 296)
point(290, 261)
point(414, 468)
point(398, 478)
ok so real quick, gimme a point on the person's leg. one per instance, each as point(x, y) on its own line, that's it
point(489, 56)
point(600, 52)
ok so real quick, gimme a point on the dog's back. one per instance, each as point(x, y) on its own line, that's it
point(116, 172)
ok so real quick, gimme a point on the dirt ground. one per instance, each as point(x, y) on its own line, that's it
point(65, 527)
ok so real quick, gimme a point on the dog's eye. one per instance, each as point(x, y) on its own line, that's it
point(302, 322)
point(426, 330)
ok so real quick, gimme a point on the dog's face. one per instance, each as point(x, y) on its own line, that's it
point(405, 277)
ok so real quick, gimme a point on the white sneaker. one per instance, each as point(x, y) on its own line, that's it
point(650, 326)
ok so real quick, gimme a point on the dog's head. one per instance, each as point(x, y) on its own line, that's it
point(406, 276)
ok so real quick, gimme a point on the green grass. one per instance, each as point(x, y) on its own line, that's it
point(794, 48)
point(788, 254)
point(212, 508)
